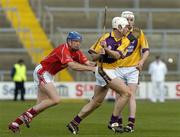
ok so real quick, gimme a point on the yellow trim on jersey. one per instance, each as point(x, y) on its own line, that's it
point(122, 48)
point(135, 57)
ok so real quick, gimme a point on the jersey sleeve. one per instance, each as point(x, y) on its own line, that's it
point(65, 56)
point(122, 49)
point(82, 57)
point(96, 47)
point(143, 42)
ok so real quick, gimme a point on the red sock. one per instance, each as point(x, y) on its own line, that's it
point(30, 113)
point(19, 121)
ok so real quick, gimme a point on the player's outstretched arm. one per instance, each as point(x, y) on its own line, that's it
point(80, 67)
point(90, 63)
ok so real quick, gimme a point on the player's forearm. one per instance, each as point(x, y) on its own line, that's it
point(80, 67)
point(112, 53)
point(90, 63)
point(145, 56)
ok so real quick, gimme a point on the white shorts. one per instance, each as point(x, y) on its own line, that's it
point(128, 74)
point(100, 80)
point(41, 76)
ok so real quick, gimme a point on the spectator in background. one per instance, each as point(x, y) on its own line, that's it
point(158, 70)
point(18, 74)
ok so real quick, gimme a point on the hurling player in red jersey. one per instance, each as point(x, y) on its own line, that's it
point(65, 55)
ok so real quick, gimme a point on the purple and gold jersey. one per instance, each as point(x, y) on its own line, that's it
point(118, 45)
point(134, 52)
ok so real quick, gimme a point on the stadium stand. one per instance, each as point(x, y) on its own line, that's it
point(160, 26)
point(11, 48)
point(158, 19)
point(114, 3)
point(34, 39)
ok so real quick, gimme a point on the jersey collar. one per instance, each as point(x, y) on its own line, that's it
point(113, 35)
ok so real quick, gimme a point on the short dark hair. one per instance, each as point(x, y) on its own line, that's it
point(157, 57)
point(20, 61)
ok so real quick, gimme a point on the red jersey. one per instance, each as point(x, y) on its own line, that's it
point(60, 57)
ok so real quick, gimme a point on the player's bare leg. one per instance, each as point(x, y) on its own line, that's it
point(95, 102)
point(47, 97)
point(53, 97)
point(132, 109)
point(14, 126)
point(125, 93)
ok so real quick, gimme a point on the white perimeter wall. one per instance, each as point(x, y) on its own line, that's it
point(84, 90)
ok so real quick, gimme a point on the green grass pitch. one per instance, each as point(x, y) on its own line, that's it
point(153, 120)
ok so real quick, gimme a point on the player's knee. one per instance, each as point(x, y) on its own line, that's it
point(97, 104)
point(127, 93)
point(56, 101)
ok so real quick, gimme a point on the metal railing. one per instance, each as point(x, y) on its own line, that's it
point(100, 11)
point(163, 33)
point(18, 29)
point(27, 34)
point(99, 31)
point(38, 7)
point(25, 31)
point(165, 49)
point(145, 76)
point(12, 10)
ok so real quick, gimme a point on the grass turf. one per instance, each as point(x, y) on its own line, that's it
point(153, 120)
